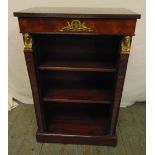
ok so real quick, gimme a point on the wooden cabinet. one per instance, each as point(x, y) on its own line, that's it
point(77, 60)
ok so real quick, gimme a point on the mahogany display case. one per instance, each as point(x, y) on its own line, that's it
point(76, 60)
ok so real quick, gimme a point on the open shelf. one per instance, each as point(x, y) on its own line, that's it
point(77, 87)
point(80, 51)
point(75, 95)
point(77, 78)
point(77, 66)
point(77, 119)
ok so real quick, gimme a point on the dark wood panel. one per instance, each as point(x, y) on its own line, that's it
point(123, 60)
point(93, 77)
point(106, 27)
point(78, 95)
point(110, 140)
point(89, 126)
point(72, 12)
point(77, 80)
point(77, 119)
point(77, 48)
point(77, 66)
point(30, 62)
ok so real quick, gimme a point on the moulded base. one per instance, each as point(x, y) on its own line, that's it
point(108, 140)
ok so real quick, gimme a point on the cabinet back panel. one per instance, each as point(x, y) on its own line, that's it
point(82, 109)
point(76, 47)
point(77, 118)
point(66, 79)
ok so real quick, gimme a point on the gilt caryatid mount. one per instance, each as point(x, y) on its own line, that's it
point(27, 42)
point(125, 45)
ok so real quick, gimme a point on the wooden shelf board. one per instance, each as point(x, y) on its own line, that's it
point(77, 66)
point(68, 125)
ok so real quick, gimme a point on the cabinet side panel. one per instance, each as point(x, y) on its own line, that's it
point(35, 91)
point(120, 77)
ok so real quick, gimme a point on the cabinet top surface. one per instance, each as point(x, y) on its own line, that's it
point(72, 12)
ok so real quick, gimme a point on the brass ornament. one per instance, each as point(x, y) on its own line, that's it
point(27, 42)
point(125, 45)
point(76, 25)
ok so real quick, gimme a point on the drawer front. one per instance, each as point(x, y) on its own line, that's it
point(93, 26)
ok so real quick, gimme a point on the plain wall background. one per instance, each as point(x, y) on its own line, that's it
point(134, 88)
